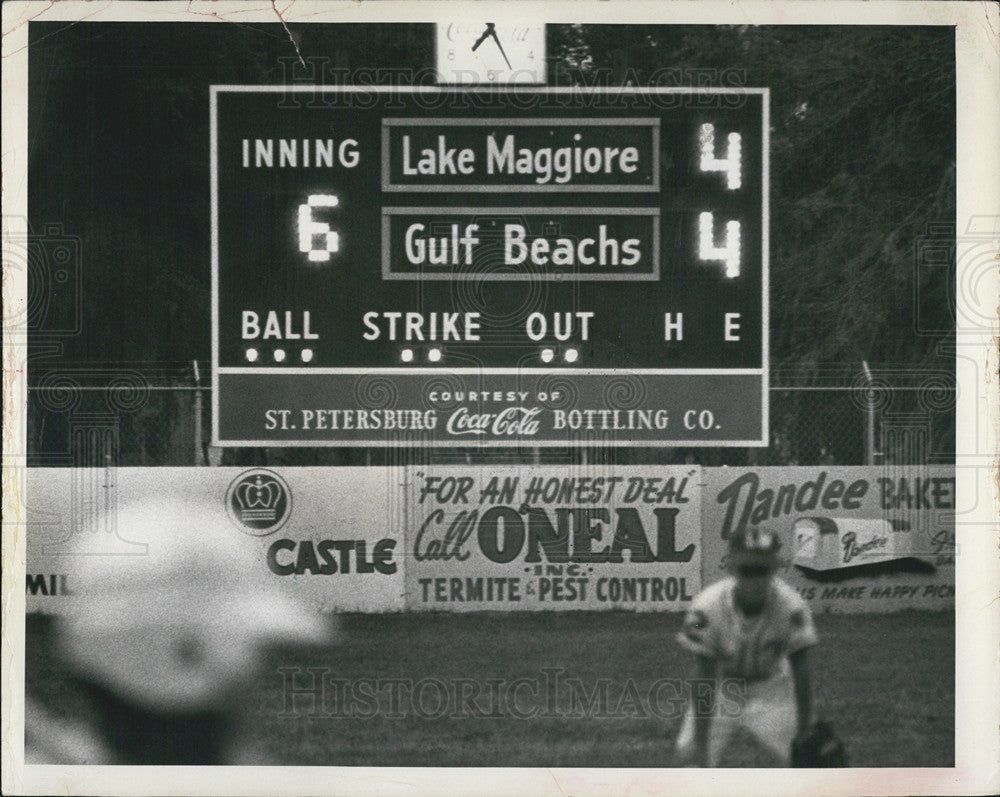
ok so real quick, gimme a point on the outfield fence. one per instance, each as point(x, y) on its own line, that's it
point(131, 422)
point(460, 538)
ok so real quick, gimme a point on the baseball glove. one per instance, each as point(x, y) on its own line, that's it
point(820, 747)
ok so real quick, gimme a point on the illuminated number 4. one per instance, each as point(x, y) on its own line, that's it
point(730, 165)
point(728, 253)
point(310, 229)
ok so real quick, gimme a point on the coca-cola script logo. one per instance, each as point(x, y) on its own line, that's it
point(511, 422)
point(259, 502)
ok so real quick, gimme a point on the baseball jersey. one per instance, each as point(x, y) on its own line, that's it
point(753, 648)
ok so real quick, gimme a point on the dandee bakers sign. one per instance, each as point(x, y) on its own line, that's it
point(501, 267)
point(854, 539)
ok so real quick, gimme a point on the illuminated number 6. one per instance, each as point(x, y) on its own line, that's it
point(728, 253)
point(309, 229)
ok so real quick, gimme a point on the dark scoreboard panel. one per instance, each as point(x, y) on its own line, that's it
point(513, 267)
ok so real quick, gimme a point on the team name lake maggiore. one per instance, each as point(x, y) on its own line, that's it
point(502, 156)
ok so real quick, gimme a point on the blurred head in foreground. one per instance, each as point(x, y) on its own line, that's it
point(164, 642)
point(753, 559)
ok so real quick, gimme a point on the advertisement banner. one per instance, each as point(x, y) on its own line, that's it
point(854, 539)
point(465, 538)
point(553, 538)
point(322, 535)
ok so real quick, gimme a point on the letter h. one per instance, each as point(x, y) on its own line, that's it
point(290, 690)
point(314, 68)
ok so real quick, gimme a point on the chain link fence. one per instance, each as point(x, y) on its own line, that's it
point(135, 424)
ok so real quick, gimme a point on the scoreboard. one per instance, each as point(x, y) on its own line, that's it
point(501, 267)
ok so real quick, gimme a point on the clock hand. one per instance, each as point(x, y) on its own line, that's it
point(483, 36)
point(497, 40)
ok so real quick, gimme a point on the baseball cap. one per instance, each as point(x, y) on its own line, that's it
point(756, 543)
point(177, 625)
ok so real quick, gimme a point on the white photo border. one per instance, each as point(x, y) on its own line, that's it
point(977, 607)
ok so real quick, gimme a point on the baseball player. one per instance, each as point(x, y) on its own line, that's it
point(165, 645)
point(752, 627)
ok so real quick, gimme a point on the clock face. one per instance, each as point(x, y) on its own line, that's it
point(490, 52)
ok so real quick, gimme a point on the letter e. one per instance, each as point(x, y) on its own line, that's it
point(732, 326)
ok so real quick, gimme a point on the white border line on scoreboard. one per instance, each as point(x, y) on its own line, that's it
point(487, 444)
point(214, 169)
point(495, 89)
point(486, 371)
point(765, 265)
point(763, 92)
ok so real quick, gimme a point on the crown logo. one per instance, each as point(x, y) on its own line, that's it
point(259, 501)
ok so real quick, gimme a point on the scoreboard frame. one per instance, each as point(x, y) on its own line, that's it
point(389, 189)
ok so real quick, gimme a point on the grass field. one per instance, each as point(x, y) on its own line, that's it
point(441, 690)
